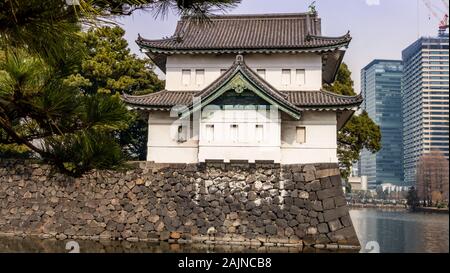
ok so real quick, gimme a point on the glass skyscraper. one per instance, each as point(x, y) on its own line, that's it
point(381, 89)
point(425, 100)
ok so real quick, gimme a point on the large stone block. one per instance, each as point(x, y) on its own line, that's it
point(327, 193)
point(340, 200)
point(298, 177)
point(315, 185)
point(345, 236)
point(325, 182)
point(323, 228)
point(309, 176)
point(336, 180)
point(335, 225)
point(328, 204)
point(334, 214)
point(327, 173)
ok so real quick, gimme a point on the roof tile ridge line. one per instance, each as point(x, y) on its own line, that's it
point(257, 18)
point(178, 34)
point(181, 91)
point(144, 96)
point(253, 15)
point(339, 95)
point(144, 40)
point(166, 49)
point(346, 35)
point(299, 91)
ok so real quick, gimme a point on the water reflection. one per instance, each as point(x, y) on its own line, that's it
point(36, 245)
point(401, 231)
point(395, 231)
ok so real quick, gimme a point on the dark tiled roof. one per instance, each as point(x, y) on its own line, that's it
point(294, 101)
point(161, 99)
point(317, 99)
point(302, 99)
point(247, 33)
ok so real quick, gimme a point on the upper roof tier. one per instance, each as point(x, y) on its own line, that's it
point(243, 34)
point(247, 33)
point(299, 31)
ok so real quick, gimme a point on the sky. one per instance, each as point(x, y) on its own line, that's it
point(381, 29)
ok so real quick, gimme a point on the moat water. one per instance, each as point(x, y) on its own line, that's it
point(401, 231)
point(378, 230)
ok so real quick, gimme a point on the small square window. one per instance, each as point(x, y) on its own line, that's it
point(210, 133)
point(186, 77)
point(286, 77)
point(261, 73)
point(234, 132)
point(301, 134)
point(181, 134)
point(259, 134)
point(300, 77)
point(199, 76)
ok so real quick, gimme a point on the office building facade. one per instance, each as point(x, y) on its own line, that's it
point(381, 89)
point(425, 101)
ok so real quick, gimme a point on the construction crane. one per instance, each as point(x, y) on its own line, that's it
point(443, 19)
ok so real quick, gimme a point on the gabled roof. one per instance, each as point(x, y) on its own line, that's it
point(241, 34)
point(240, 77)
point(299, 31)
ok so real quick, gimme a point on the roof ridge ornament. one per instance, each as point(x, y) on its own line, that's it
point(312, 8)
point(239, 59)
point(308, 37)
point(238, 84)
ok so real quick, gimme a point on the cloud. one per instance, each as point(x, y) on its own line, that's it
point(373, 2)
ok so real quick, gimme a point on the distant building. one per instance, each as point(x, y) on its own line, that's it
point(389, 188)
point(381, 89)
point(355, 169)
point(425, 100)
point(358, 183)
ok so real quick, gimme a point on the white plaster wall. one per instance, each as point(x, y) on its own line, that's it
point(248, 153)
point(279, 141)
point(272, 63)
point(247, 147)
point(321, 136)
point(162, 143)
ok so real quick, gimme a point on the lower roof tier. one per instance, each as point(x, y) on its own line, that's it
point(304, 100)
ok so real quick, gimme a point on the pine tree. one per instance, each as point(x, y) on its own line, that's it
point(65, 127)
point(46, 104)
point(360, 132)
point(110, 68)
point(49, 28)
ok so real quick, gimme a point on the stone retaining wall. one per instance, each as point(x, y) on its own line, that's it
point(252, 204)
